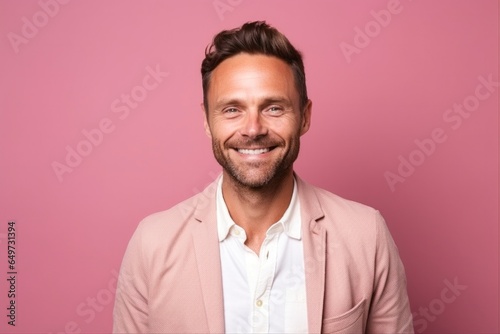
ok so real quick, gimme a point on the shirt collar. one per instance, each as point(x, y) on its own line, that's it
point(290, 220)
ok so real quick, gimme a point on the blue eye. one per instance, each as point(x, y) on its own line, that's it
point(275, 109)
point(231, 112)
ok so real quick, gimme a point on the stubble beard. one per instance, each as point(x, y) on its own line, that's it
point(257, 175)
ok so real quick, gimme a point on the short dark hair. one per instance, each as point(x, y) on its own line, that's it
point(253, 38)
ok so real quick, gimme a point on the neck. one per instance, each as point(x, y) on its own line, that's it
point(255, 210)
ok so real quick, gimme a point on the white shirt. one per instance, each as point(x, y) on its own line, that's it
point(263, 293)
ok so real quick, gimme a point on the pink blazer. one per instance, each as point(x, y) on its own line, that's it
point(170, 279)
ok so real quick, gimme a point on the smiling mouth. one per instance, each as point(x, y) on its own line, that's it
point(254, 151)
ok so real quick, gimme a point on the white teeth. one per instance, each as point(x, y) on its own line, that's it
point(257, 151)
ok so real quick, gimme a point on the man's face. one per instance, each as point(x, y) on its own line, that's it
point(254, 118)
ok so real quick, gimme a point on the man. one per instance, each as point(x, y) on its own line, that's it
point(260, 250)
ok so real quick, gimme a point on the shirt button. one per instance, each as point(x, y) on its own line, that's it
point(259, 303)
point(237, 232)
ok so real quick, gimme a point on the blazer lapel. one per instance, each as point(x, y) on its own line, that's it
point(314, 242)
point(206, 246)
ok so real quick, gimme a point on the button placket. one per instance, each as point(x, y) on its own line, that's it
point(267, 267)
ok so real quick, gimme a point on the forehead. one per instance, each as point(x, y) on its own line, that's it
point(251, 75)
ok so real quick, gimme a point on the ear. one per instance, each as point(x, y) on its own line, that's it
point(306, 118)
point(205, 121)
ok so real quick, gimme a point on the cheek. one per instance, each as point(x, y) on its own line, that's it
point(287, 128)
point(222, 130)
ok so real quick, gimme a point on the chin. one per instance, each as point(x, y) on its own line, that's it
point(251, 181)
point(257, 180)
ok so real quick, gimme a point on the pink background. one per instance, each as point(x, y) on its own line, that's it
point(369, 108)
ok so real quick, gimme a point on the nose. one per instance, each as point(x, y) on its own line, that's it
point(253, 125)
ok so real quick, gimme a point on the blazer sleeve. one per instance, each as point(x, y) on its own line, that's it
point(130, 311)
point(390, 308)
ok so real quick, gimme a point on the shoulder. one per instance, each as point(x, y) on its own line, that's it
point(332, 205)
point(175, 215)
point(347, 221)
point(171, 225)
point(354, 230)
point(340, 205)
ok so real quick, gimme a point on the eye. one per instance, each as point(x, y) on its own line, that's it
point(230, 112)
point(275, 110)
